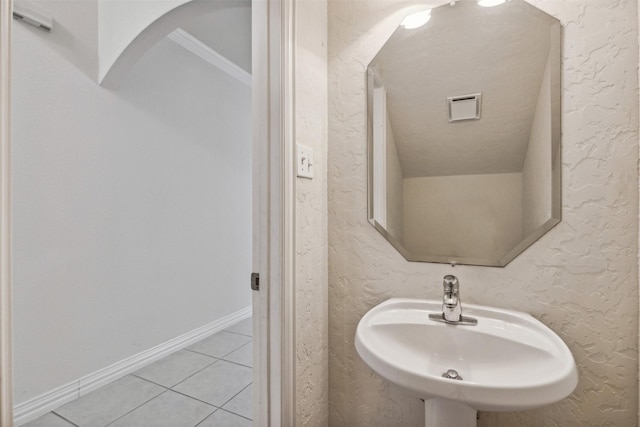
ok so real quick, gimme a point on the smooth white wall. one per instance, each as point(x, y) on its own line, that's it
point(132, 208)
point(121, 21)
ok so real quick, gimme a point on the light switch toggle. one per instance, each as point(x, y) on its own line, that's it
point(305, 161)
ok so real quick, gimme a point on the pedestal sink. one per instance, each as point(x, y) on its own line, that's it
point(509, 361)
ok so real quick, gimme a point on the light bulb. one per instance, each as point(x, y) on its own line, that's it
point(416, 20)
point(490, 3)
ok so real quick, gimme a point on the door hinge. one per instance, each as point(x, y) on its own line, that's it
point(255, 281)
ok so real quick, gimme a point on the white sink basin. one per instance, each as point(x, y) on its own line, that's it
point(509, 361)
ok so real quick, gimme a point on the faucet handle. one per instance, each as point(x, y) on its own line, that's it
point(450, 282)
point(451, 304)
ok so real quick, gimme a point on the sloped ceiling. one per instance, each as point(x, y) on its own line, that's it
point(499, 51)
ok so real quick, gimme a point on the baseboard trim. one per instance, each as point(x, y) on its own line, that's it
point(40, 405)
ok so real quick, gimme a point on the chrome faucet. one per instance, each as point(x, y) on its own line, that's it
point(452, 305)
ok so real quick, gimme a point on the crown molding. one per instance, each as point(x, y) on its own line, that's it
point(200, 49)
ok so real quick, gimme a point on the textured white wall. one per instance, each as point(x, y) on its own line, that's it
point(312, 336)
point(132, 208)
point(580, 279)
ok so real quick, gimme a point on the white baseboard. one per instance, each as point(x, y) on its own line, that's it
point(40, 405)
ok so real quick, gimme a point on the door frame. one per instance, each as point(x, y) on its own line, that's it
point(274, 194)
point(274, 213)
point(6, 382)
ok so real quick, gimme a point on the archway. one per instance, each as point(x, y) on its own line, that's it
point(122, 45)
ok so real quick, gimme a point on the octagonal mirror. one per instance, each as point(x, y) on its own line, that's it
point(464, 132)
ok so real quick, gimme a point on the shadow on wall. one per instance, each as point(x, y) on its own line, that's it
point(78, 44)
point(158, 29)
point(90, 47)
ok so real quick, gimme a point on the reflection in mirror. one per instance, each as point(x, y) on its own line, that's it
point(464, 133)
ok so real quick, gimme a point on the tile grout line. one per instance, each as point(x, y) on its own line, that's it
point(240, 333)
point(195, 373)
point(209, 403)
point(152, 382)
point(137, 406)
point(238, 349)
point(149, 381)
point(226, 354)
point(231, 412)
point(216, 359)
point(221, 359)
point(215, 408)
point(237, 363)
point(184, 379)
point(60, 416)
point(207, 417)
point(234, 396)
point(200, 353)
point(237, 333)
point(228, 412)
point(179, 392)
point(166, 389)
point(195, 398)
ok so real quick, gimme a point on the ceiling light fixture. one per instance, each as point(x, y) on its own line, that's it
point(490, 3)
point(416, 20)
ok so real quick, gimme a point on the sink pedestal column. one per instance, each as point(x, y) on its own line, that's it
point(447, 413)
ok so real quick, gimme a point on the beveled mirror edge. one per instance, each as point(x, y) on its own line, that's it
point(556, 187)
point(369, 83)
point(556, 143)
point(528, 241)
point(431, 258)
point(502, 262)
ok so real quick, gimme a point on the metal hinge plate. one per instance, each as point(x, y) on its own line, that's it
point(255, 281)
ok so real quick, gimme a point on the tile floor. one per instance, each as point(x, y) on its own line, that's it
point(206, 385)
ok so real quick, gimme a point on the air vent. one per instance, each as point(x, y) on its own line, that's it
point(464, 107)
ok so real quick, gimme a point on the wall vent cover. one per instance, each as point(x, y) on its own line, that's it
point(464, 107)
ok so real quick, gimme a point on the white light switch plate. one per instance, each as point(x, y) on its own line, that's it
point(305, 161)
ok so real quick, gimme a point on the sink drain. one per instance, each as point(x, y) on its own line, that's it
point(452, 374)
